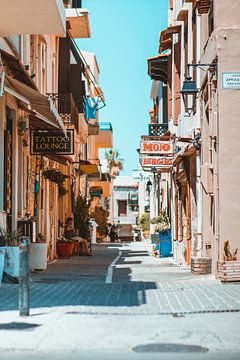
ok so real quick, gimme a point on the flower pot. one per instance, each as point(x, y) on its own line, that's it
point(65, 250)
point(38, 256)
point(2, 256)
point(229, 270)
point(11, 261)
point(165, 243)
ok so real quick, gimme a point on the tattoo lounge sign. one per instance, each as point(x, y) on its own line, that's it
point(52, 142)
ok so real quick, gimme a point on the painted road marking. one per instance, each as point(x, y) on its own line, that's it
point(111, 267)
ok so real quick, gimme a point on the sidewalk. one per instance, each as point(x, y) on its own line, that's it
point(149, 301)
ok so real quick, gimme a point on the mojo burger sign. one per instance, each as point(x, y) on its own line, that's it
point(156, 147)
point(53, 142)
point(156, 161)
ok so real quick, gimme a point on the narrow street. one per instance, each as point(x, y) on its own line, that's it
point(122, 303)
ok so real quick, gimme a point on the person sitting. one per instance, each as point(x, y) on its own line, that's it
point(71, 234)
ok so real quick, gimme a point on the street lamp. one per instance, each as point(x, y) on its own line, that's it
point(189, 91)
point(189, 88)
point(149, 186)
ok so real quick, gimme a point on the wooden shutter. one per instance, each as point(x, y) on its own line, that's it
point(169, 86)
point(177, 83)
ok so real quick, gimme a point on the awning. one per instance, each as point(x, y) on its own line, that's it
point(204, 6)
point(166, 37)
point(62, 159)
point(89, 169)
point(17, 69)
point(158, 67)
point(32, 17)
point(44, 107)
point(78, 23)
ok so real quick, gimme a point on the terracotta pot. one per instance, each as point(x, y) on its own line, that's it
point(65, 250)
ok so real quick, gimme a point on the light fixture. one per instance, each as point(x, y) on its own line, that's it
point(149, 186)
point(189, 89)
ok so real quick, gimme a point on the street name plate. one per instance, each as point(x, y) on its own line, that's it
point(231, 80)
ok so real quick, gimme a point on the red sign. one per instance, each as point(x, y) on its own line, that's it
point(156, 147)
point(156, 161)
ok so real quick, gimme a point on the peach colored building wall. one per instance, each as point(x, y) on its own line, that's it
point(220, 138)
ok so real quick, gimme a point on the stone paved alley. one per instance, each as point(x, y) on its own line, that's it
point(86, 306)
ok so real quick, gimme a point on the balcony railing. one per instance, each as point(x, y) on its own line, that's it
point(105, 126)
point(69, 106)
point(157, 129)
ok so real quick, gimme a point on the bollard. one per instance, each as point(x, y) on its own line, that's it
point(24, 276)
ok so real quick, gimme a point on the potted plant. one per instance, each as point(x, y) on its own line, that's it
point(64, 248)
point(38, 253)
point(57, 177)
point(100, 215)
point(163, 228)
point(81, 217)
point(229, 268)
point(3, 243)
point(144, 223)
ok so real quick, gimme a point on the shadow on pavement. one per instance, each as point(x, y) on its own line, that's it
point(82, 282)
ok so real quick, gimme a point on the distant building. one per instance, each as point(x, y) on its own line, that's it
point(125, 205)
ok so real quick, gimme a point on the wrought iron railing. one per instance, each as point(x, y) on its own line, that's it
point(69, 106)
point(157, 129)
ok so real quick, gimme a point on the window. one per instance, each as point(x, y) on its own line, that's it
point(122, 208)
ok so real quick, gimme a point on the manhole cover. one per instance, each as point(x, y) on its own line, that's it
point(18, 326)
point(169, 348)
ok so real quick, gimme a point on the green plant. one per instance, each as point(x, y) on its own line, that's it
point(8, 238)
point(115, 163)
point(81, 216)
point(40, 238)
point(144, 222)
point(100, 215)
point(55, 176)
point(228, 255)
point(62, 190)
point(162, 221)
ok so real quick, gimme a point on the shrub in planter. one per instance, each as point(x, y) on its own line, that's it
point(101, 216)
point(65, 249)
point(11, 260)
point(228, 255)
point(81, 217)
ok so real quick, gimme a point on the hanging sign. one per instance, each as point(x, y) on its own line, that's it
point(156, 161)
point(140, 176)
point(156, 147)
point(52, 142)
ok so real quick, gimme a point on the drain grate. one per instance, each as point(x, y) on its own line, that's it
point(169, 348)
point(18, 326)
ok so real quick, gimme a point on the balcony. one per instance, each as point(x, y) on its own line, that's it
point(78, 23)
point(69, 107)
point(93, 127)
point(157, 129)
point(27, 17)
point(104, 139)
point(106, 187)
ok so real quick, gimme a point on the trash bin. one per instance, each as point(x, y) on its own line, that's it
point(165, 243)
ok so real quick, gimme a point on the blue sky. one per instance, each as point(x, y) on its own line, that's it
point(124, 34)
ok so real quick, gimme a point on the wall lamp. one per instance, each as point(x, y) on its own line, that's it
point(189, 89)
point(149, 186)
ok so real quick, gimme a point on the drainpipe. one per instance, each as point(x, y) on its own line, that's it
point(199, 205)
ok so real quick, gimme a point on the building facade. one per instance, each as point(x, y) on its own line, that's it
point(46, 84)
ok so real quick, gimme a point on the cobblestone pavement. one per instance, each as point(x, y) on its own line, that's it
point(148, 300)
